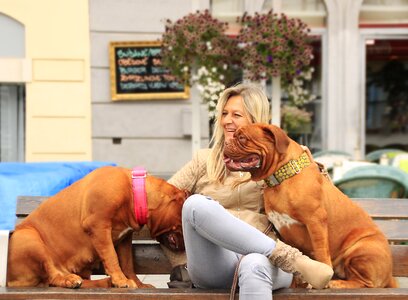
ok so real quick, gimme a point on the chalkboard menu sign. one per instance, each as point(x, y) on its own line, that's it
point(137, 73)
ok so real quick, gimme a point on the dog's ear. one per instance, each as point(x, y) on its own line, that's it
point(187, 194)
point(184, 194)
point(281, 138)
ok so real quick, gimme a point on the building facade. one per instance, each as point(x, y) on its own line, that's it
point(45, 81)
point(56, 67)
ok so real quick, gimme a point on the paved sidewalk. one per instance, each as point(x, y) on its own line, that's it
point(159, 281)
point(403, 282)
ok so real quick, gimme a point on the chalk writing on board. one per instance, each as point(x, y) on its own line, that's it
point(138, 71)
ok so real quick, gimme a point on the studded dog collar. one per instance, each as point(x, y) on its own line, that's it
point(288, 170)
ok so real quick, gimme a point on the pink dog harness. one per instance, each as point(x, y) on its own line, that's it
point(139, 194)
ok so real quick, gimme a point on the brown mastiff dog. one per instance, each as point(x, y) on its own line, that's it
point(90, 221)
point(308, 211)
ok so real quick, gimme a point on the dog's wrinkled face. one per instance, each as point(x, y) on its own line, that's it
point(255, 148)
point(172, 239)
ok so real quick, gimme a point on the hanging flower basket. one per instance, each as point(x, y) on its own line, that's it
point(196, 50)
point(274, 45)
point(195, 41)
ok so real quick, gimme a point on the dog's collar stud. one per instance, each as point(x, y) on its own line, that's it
point(293, 167)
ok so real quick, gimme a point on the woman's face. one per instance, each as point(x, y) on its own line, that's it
point(233, 116)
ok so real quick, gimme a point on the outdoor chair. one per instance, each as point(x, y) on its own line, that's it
point(400, 161)
point(376, 155)
point(331, 157)
point(331, 153)
point(374, 181)
point(342, 167)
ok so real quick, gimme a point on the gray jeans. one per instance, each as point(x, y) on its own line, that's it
point(215, 240)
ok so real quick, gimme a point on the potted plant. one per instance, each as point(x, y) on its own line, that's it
point(296, 120)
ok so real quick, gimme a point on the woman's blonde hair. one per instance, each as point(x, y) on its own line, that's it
point(256, 106)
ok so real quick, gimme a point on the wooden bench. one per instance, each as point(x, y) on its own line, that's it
point(390, 214)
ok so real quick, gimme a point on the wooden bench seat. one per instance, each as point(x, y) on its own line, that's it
point(196, 294)
point(390, 214)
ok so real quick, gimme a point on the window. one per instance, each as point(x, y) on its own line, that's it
point(12, 100)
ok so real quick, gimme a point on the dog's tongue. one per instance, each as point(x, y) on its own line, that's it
point(232, 165)
point(236, 165)
point(249, 162)
point(227, 160)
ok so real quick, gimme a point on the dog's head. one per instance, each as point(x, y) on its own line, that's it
point(165, 202)
point(256, 148)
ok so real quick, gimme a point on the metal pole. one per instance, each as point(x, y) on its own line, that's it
point(276, 101)
point(195, 120)
point(276, 81)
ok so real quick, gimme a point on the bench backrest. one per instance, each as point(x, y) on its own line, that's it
point(391, 215)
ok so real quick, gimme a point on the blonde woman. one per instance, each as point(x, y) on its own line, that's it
point(224, 220)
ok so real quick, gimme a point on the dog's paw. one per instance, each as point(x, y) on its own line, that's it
point(126, 283)
point(72, 281)
point(337, 284)
point(346, 284)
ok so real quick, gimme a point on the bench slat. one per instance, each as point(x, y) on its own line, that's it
point(341, 294)
point(393, 208)
point(394, 230)
point(197, 294)
point(150, 259)
point(26, 204)
point(400, 260)
point(128, 294)
point(382, 210)
point(377, 208)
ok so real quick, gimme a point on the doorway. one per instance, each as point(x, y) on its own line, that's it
point(386, 92)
